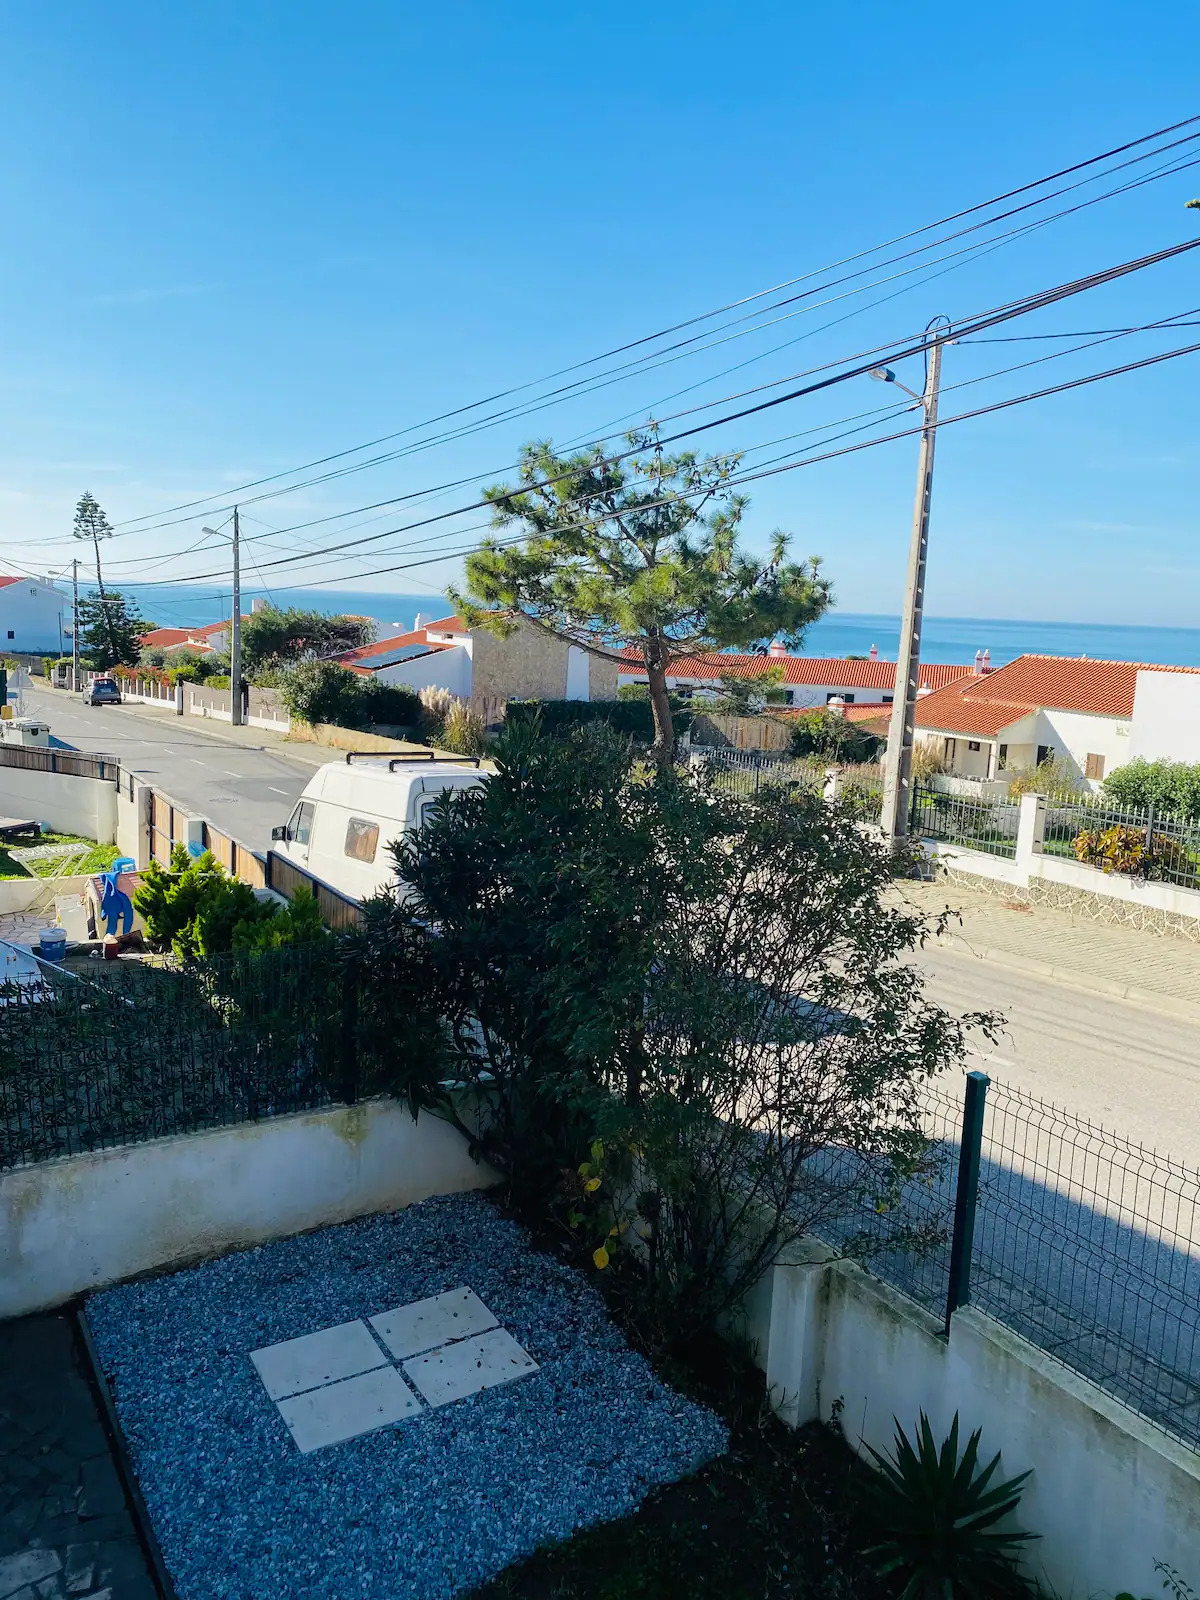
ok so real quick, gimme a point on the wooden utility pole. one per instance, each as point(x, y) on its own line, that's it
point(235, 633)
point(897, 775)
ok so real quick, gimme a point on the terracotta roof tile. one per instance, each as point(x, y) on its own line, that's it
point(1059, 683)
point(830, 672)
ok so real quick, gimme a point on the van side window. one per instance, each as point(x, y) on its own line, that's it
point(299, 828)
point(425, 811)
point(362, 839)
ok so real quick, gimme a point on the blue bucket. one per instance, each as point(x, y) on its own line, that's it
point(52, 944)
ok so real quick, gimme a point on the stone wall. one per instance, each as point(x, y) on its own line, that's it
point(529, 665)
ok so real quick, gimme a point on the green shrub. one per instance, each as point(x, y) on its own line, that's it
point(462, 732)
point(194, 907)
point(825, 733)
point(1170, 786)
point(323, 691)
point(297, 923)
point(1050, 777)
point(632, 717)
point(936, 1517)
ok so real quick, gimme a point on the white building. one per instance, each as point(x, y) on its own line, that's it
point(1077, 711)
point(35, 617)
point(808, 681)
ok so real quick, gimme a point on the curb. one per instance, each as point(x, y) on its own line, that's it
point(1071, 978)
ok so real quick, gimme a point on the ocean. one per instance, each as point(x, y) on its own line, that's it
point(842, 633)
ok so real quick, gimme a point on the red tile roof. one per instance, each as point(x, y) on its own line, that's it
point(1059, 683)
point(4, 582)
point(398, 641)
point(830, 672)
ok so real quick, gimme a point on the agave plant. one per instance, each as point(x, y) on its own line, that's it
point(936, 1518)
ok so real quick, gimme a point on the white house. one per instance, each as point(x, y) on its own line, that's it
point(478, 666)
point(1078, 711)
point(807, 680)
point(35, 617)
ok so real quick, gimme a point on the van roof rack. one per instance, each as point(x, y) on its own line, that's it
point(409, 755)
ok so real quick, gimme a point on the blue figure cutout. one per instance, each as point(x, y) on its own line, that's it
point(115, 905)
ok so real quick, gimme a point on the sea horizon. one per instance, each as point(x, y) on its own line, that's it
point(839, 633)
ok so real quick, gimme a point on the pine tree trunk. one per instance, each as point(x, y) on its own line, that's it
point(663, 751)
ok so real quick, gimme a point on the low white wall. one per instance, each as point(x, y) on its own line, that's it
point(71, 1225)
point(18, 894)
point(1109, 1494)
point(87, 806)
point(1116, 886)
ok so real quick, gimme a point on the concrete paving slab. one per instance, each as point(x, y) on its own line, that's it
point(347, 1409)
point(410, 1330)
point(462, 1369)
point(317, 1358)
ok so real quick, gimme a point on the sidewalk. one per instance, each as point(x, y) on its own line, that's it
point(1150, 970)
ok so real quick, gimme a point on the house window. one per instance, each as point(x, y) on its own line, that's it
point(1045, 752)
point(11, 634)
point(1002, 758)
point(951, 751)
point(846, 699)
point(362, 839)
point(1093, 766)
point(972, 744)
point(888, 698)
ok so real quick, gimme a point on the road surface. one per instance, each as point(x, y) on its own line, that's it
point(243, 790)
point(1131, 1069)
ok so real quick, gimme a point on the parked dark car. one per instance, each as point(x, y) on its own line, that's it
point(102, 692)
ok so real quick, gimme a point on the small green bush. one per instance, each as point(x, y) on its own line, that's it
point(196, 909)
point(825, 733)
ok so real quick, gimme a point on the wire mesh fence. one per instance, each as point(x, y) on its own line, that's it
point(748, 772)
point(987, 825)
point(1083, 1243)
point(137, 1051)
point(1137, 842)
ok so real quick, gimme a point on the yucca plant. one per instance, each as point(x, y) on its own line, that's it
point(936, 1518)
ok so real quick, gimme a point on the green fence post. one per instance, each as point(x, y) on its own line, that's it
point(350, 1083)
point(959, 1290)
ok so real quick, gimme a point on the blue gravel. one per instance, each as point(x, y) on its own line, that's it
point(420, 1511)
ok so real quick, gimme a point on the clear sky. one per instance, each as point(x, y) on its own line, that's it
point(237, 237)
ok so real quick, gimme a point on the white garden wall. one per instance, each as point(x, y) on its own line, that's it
point(72, 1225)
point(86, 806)
point(1109, 1494)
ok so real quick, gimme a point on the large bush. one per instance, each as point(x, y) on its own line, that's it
point(689, 1018)
point(322, 691)
point(826, 733)
point(1168, 786)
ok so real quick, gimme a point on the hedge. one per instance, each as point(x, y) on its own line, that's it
point(632, 717)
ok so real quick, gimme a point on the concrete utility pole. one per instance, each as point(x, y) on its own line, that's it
point(897, 776)
point(235, 634)
point(74, 626)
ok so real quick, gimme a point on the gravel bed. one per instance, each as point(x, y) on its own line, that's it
point(420, 1511)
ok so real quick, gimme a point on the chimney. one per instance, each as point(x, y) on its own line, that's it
point(923, 691)
point(873, 653)
point(978, 668)
point(257, 604)
point(778, 650)
point(837, 705)
point(987, 660)
point(418, 623)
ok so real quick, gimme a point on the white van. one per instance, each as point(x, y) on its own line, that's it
point(352, 810)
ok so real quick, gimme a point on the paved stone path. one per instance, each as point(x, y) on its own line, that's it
point(1150, 969)
point(66, 1532)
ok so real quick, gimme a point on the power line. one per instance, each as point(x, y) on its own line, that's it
point(651, 338)
point(999, 315)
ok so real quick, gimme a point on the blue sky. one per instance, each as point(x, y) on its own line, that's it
point(237, 237)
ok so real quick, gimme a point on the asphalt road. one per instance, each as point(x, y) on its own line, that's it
point(1133, 1070)
point(244, 790)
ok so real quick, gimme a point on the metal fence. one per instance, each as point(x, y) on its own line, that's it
point(1141, 843)
point(70, 763)
point(1082, 1242)
point(985, 825)
point(748, 772)
point(137, 1051)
